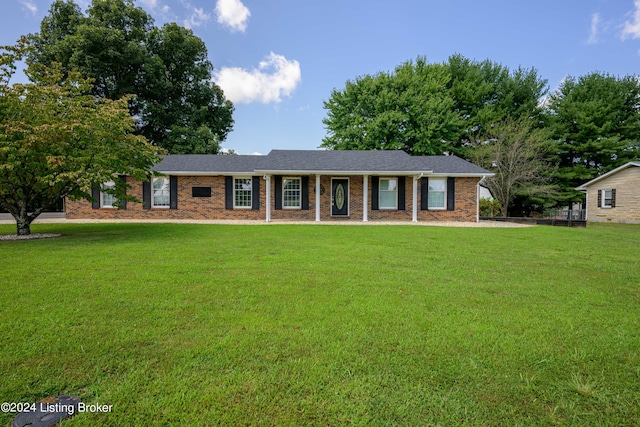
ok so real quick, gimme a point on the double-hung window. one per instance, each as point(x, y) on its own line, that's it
point(107, 200)
point(388, 193)
point(291, 193)
point(437, 193)
point(242, 193)
point(607, 198)
point(161, 193)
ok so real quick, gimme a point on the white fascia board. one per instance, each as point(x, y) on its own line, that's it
point(584, 186)
point(339, 172)
point(463, 175)
point(323, 172)
point(206, 173)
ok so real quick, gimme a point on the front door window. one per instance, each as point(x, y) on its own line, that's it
point(340, 197)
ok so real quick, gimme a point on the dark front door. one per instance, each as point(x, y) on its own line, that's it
point(340, 197)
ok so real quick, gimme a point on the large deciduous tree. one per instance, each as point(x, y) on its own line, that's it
point(516, 153)
point(424, 108)
point(486, 93)
point(58, 140)
point(596, 125)
point(409, 109)
point(176, 103)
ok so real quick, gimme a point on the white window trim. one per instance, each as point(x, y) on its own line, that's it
point(153, 205)
point(110, 184)
point(387, 208)
point(299, 206)
point(604, 198)
point(443, 208)
point(234, 192)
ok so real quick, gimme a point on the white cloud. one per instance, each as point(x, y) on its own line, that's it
point(29, 6)
point(632, 29)
point(151, 4)
point(159, 10)
point(595, 27)
point(274, 78)
point(197, 18)
point(233, 14)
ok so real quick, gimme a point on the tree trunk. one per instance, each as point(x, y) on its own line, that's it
point(24, 226)
point(23, 220)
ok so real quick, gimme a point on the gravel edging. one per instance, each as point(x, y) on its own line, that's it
point(28, 237)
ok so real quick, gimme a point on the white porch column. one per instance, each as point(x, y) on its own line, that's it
point(365, 198)
point(415, 199)
point(317, 198)
point(267, 178)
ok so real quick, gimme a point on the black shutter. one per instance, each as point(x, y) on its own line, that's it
point(278, 190)
point(146, 195)
point(173, 192)
point(95, 193)
point(255, 193)
point(228, 192)
point(451, 193)
point(375, 190)
point(424, 193)
point(123, 202)
point(613, 198)
point(401, 192)
point(305, 193)
point(600, 198)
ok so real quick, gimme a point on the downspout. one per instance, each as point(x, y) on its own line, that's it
point(478, 198)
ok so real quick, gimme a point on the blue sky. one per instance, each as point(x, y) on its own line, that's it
point(278, 60)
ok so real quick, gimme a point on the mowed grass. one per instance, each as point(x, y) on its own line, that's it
point(177, 324)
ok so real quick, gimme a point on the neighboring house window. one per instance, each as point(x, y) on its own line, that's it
point(242, 193)
point(388, 193)
point(437, 193)
point(107, 200)
point(607, 198)
point(291, 193)
point(161, 193)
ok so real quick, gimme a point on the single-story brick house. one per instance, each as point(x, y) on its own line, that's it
point(300, 185)
point(615, 195)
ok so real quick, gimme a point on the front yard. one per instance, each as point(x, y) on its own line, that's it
point(176, 324)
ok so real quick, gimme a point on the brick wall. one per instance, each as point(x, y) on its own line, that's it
point(188, 207)
point(214, 207)
point(465, 203)
point(627, 186)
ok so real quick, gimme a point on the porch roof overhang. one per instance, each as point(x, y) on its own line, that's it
point(340, 172)
point(207, 173)
point(319, 162)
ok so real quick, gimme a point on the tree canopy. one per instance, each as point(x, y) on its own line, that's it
point(176, 104)
point(406, 110)
point(516, 153)
point(58, 140)
point(596, 124)
point(429, 108)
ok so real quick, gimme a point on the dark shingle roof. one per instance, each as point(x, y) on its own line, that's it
point(345, 161)
point(338, 160)
point(448, 165)
point(209, 163)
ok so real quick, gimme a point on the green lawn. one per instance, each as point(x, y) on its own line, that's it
point(325, 325)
